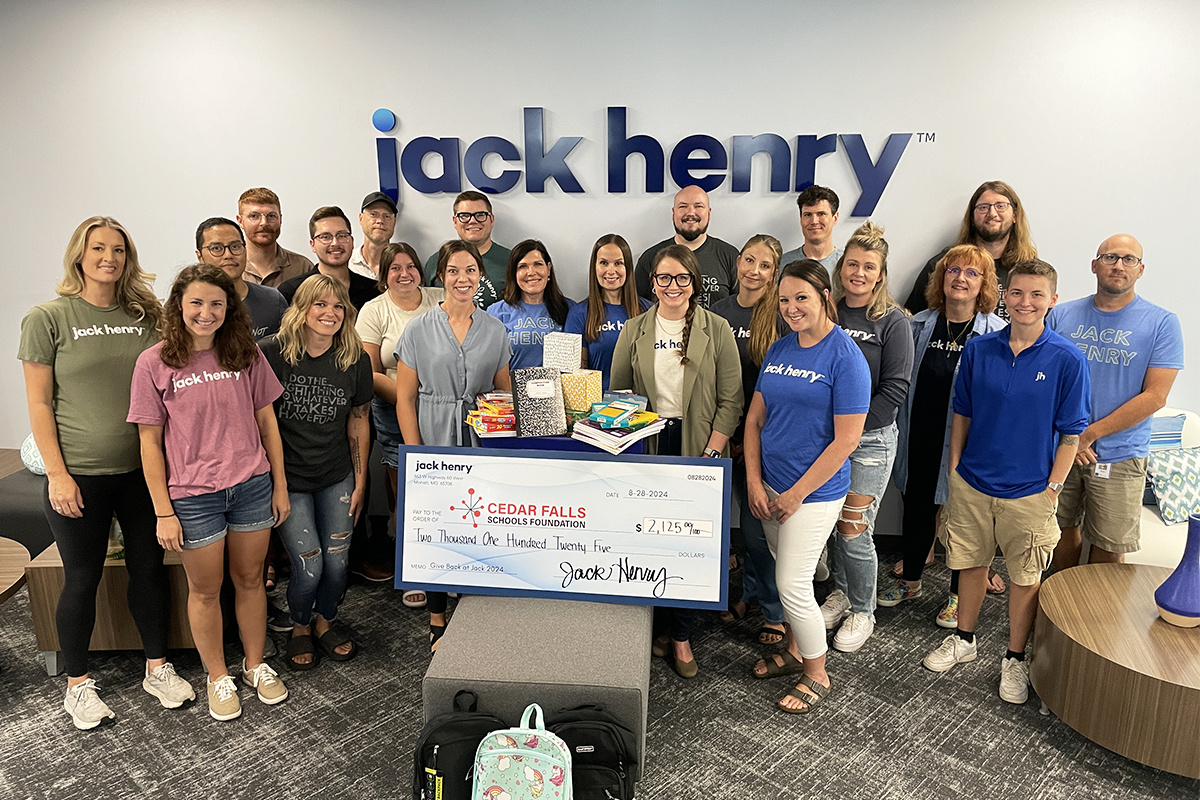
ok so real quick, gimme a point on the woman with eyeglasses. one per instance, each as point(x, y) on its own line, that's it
point(533, 305)
point(684, 359)
point(962, 295)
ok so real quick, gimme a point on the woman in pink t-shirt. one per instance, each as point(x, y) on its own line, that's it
point(202, 399)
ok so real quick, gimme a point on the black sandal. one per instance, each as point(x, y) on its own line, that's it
point(334, 638)
point(301, 646)
point(435, 635)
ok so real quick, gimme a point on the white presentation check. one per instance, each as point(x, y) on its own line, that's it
point(626, 529)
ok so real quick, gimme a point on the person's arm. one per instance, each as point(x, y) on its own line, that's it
point(358, 430)
point(502, 380)
point(847, 430)
point(154, 468)
point(756, 417)
point(268, 431)
point(406, 403)
point(959, 427)
point(1064, 457)
point(65, 496)
point(1155, 388)
point(385, 387)
point(895, 367)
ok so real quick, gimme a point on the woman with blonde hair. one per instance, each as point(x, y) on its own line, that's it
point(327, 389)
point(879, 326)
point(753, 315)
point(78, 353)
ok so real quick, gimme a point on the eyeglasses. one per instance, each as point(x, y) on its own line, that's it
point(983, 208)
point(217, 249)
point(326, 238)
point(683, 280)
point(270, 216)
point(1109, 259)
point(386, 216)
point(466, 216)
point(968, 272)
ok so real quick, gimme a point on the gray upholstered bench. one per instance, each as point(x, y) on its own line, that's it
point(514, 651)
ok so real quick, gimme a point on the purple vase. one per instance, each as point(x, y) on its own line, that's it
point(1178, 599)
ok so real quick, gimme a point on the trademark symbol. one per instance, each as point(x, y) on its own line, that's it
point(925, 137)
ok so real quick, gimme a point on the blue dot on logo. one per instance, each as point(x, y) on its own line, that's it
point(383, 119)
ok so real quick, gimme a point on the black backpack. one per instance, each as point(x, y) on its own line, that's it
point(445, 754)
point(604, 752)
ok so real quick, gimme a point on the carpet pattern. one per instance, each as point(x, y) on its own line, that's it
point(889, 729)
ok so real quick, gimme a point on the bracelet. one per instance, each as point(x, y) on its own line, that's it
point(165, 516)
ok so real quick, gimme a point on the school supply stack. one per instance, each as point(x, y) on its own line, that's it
point(538, 402)
point(494, 415)
point(444, 759)
point(615, 426)
point(523, 763)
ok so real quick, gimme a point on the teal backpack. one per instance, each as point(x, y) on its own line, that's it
point(525, 763)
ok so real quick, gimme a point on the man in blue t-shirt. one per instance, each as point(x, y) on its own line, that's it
point(1020, 403)
point(1134, 350)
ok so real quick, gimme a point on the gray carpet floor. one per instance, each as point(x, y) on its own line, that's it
point(890, 729)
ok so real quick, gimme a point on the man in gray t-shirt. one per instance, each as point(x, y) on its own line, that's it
point(718, 260)
point(818, 214)
point(221, 243)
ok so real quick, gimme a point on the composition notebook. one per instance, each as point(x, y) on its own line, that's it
point(538, 402)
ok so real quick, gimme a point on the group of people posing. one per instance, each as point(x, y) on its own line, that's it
point(236, 408)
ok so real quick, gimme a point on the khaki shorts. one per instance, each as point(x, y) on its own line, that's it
point(973, 524)
point(1109, 509)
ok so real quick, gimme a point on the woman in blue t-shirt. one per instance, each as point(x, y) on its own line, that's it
point(533, 304)
point(805, 419)
point(612, 301)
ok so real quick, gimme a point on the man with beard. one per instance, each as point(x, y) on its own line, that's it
point(473, 221)
point(266, 262)
point(718, 259)
point(378, 223)
point(818, 214)
point(220, 243)
point(333, 243)
point(1134, 350)
point(994, 220)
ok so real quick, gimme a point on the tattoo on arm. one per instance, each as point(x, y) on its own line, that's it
point(358, 412)
point(1069, 440)
point(355, 456)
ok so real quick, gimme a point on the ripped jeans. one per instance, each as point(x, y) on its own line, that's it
point(855, 564)
point(317, 537)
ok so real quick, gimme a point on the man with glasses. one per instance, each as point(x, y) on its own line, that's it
point(267, 263)
point(333, 244)
point(995, 221)
point(220, 243)
point(473, 222)
point(718, 259)
point(378, 223)
point(1134, 350)
point(818, 214)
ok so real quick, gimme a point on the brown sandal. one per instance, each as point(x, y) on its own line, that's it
point(790, 666)
point(811, 701)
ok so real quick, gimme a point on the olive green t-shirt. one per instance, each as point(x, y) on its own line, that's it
point(92, 352)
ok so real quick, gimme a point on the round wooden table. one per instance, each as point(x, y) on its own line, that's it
point(13, 559)
point(1108, 666)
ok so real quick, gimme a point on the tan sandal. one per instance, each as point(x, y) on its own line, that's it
point(810, 700)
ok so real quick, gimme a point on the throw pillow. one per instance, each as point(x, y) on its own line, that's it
point(1176, 476)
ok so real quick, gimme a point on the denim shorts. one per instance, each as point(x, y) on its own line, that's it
point(246, 507)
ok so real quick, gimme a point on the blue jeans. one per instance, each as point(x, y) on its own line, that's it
point(855, 563)
point(758, 575)
point(317, 537)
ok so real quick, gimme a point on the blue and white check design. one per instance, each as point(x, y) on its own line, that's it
point(1176, 475)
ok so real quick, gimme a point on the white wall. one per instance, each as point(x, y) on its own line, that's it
point(161, 113)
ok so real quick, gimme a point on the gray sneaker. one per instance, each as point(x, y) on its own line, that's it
point(170, 689)
point(84, 705)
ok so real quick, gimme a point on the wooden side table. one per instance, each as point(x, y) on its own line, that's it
point(115, 628)
point(13, 558)
point(1108, 666)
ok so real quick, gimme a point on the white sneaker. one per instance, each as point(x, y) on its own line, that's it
point(854, 632)
point(953, 650)
point(170, 689)
point(835, 609)
point(822, 572)
point(266, 681)
point(1014, 681)
point(84, 705)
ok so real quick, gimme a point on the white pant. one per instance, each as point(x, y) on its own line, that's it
point(796, 546)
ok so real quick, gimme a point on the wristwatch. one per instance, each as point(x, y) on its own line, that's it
point(1057, 487)
point(711, 453)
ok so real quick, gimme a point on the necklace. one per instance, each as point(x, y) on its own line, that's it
point(955, 345)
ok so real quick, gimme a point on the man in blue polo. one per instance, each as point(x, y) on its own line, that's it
point(1134, 350)
point(1020, 403)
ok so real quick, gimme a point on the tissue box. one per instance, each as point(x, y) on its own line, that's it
point(581, 388)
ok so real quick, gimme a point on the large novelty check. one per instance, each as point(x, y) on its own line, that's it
point(633, 529)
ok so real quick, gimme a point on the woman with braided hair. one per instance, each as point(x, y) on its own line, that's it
point(685, 360)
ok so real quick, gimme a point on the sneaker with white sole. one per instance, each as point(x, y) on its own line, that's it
point(897, 593)
point(84, 705)
point(835, 609)
point(854, 632)
point(266, 682)
point(170, 689)
point(822, 571)
point(953, 650)
point(223, 702)
point(948, 616)
point(1014, 681)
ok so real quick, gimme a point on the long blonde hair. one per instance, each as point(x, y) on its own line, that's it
point(764, 318)
point(869, 237)
point(135, 288)
point(293, 343)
